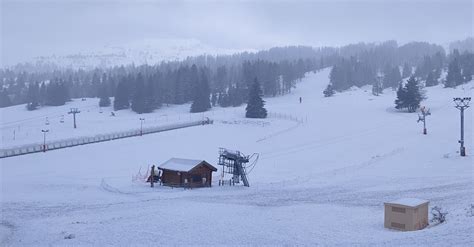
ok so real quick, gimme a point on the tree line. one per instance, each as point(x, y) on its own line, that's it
point(145, 88)
point(229, 77)
point(360, 70)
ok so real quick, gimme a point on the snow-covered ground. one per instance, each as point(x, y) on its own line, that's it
point(20, 127)
point(320, 182)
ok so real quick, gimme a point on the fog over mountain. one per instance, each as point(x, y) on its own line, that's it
point(236, 123)
point(32, 28)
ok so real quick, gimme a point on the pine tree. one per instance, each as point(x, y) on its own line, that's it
point(329, 91)
point(55, 94)
point(407, 71)
point(240, 96)
point(337, 77)
point(401, 96)
point(467, 73)
point(224, 100)
point(413, 94)
point(111, 86)
point(221, 76)
point(255, 105)
point(64, 91)
point(95, 83)
point(219, 98)
point(236, 96)
point(431, 80)
point(138, 99)
point(454, 77)
point(396, 77)
point(151, 102)
point(4, 98)
point(377, 88)
point(104, 98)
point(409, 96)
point(437, 74)
point(32, 97)
point(121, 99)
point(392, 77)
point(42, 94)
point(202, 92)
point(214, 99)
point(424, 68)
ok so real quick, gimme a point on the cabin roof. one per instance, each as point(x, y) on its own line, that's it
point(184, 165)
point(409, 202)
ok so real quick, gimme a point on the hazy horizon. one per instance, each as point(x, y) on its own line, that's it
point(68, 27)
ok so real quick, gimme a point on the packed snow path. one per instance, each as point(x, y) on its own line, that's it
point(320, 183)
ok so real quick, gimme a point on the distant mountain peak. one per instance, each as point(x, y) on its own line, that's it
point(146, 51)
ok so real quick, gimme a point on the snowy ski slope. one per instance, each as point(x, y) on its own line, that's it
point(326, 167)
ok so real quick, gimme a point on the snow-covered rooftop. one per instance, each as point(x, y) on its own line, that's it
point(182, 165)
point(410, 202)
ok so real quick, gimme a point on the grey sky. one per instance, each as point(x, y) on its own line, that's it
point(34, 27)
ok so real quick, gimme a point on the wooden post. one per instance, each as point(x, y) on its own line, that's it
point(152, 176)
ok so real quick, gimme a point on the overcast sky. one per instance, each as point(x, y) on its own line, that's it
point(45, 27)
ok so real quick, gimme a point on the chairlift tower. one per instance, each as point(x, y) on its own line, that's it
point(422, 118)
point(462, 104)
point(234, 162)
point(74, 111)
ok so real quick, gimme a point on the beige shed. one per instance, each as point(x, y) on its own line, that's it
point(406, 214)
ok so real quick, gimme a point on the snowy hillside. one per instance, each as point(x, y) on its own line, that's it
point(21, 127)
point(148, 51)
point(326, 166)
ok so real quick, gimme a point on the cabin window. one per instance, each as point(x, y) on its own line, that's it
point(196, 179)
point(398, 210)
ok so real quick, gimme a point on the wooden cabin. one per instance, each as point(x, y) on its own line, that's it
point(406, 214)
point(186, 173)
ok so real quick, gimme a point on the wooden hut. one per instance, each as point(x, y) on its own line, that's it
point(406, 214)
point(186, 173)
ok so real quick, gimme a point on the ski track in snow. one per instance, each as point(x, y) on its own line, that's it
point(105, 186)
point(284, 131)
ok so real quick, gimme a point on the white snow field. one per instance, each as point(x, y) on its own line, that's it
point(321, 181)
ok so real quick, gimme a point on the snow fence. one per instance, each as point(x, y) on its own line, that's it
point(76, 141)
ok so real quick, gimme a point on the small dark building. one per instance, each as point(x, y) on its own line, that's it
point(186, 173)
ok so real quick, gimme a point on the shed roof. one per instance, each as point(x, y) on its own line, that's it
point(184, 165)
point(409, 202)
